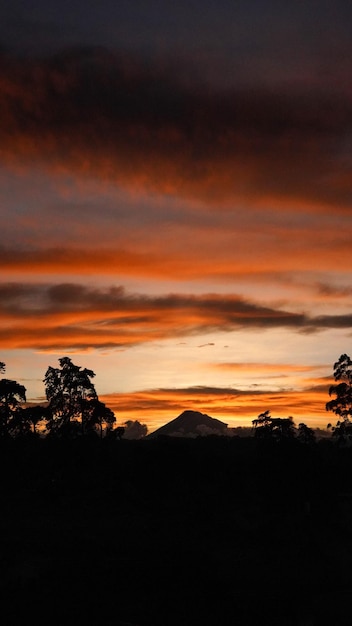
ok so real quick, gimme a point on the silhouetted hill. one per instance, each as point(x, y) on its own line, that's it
point(191, 424)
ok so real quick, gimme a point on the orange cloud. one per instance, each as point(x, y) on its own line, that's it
point(235, 407)
point(267, 368)
point(83, 261)
point(75, 316)
point(204, 260)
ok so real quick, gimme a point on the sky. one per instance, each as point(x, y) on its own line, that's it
point(175, 202)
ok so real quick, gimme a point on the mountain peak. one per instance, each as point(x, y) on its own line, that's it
point(192, 424)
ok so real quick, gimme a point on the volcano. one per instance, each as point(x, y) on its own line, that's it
point(191, 424)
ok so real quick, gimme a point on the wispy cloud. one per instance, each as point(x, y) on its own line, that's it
point(268, 369)
point(238, 263)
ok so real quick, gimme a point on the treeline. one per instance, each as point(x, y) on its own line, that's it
point(170, 531)
point(281, 428)
point(73, 409)
point(267, 427)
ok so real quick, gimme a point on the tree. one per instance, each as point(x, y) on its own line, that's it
point(97, 416)
point(305, 434)
point(12, 394)
point(263, 425)
point(69, 390)
point(119, 432)
point(342, 404)
point(30, 417)
point(278, 428)
point(284, 428)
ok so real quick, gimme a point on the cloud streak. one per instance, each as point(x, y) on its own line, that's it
point(74, 316)
point(278, 261)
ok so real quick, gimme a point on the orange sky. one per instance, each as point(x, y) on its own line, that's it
point(178, 217)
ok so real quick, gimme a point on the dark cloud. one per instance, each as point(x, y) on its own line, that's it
point(153, 126)
point(327, 290)
point(75, 316)
point(63, 260)
point(332, 321)
point(71, 295)
point(12, 292)
point(226, 394)
point(202, 390)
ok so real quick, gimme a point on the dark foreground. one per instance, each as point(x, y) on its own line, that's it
point(175, 532)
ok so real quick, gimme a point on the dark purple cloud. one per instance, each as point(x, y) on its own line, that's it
point(152, 126)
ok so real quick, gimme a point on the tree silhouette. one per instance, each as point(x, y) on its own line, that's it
point(278, 428)
point(97, 416)
point(119, 432)
point(284, 428)
point(12, 394)
point(30, 417)
point(68, 390)
point(263, 425)
point(305, 434)
point(341, 405)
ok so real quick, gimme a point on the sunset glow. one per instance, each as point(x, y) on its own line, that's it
point(177, 216)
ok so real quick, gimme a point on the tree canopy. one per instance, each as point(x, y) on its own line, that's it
point(74, 407)
point(267, 427)
point(341, 404)
point(12, 394)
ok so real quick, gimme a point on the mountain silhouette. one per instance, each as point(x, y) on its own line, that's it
point(191, 424)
